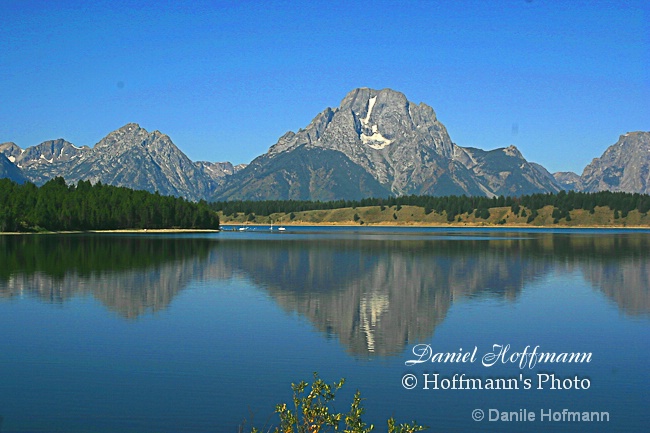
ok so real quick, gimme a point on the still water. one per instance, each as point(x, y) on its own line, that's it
point(205, 333)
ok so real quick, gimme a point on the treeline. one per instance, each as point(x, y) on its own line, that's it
point(527, 206)
point(56, 206)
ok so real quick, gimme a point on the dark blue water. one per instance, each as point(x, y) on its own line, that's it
point(204, 333)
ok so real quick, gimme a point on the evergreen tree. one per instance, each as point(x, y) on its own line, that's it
point(57, 206)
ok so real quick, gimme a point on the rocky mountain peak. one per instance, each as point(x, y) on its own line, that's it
point(378, 130)
point(513, 151)
point(132, 156)
point(633, 135)
point(218, 171)
point(386, 109)
point(382, 116)
point(46, 160)
point(131, 139)
point(11, 151)
point(129, 127)
point(569, 180)
point(130, 133)
point(129, 130)
point(386, 145)
point(624, 166)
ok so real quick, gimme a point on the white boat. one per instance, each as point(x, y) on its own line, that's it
point(281, 229)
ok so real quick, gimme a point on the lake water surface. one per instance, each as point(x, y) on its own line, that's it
point(201, 333)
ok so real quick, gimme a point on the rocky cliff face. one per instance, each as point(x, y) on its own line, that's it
point(625, 166)
point(386, 145)
point(10, 171)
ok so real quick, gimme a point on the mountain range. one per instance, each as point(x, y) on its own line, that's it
point(376, 143)
point(129, 156)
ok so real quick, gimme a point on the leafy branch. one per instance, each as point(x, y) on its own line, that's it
point(311, 413)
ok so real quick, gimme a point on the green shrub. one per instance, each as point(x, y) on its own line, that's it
point(310, 412)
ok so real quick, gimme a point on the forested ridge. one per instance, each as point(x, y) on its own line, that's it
point(56, 206)
point(527, 206)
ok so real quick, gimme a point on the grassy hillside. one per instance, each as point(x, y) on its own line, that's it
point(415, 215)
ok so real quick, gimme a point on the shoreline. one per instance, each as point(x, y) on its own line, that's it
point(230, 226)
point(126, 231)
point(429, 225)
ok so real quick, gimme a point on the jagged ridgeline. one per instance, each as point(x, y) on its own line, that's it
point(56, 206)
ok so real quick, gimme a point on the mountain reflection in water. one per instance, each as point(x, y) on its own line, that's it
point(129, 274)
point(374, 295)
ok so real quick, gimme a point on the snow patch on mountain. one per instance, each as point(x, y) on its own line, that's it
point(376, 140)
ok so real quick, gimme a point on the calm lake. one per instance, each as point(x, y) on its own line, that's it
point(204, 333)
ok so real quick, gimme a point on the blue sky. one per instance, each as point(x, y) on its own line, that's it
point(559, 80)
